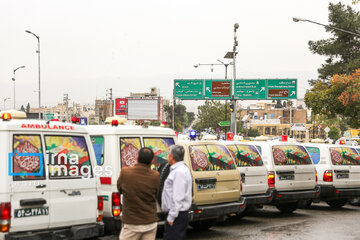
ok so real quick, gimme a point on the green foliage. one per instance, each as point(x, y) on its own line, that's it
point(183, 118)
point(339, 98)
point(342, 50)
point(210, 114)
point(253, 132)
point(334, 133)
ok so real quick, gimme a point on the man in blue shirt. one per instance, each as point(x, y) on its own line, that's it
point(177, 195)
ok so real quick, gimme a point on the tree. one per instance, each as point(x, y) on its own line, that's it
point(22, 108)
point(341, 97)
point(210, 114)
point(253, 132)
point(334, 133)
point(342, 49)
point(182, 119)
point(28, 108)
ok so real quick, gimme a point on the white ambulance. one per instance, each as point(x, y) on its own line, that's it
point(338, 168)
point(116, 147)
point(290, 172)
point(47, 186)
point(254, 175)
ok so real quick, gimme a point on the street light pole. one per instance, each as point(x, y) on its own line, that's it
point(5, 101)
point(233, 101)
point(296, 19)
point(14, 71)
point(226, 67)
point(38, 52)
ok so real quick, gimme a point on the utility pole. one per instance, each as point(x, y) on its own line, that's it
point(173, 111)
point(66, 103)
point(109, 95)
point(233, 101)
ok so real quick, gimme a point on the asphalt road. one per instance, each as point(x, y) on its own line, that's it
point(317, 222)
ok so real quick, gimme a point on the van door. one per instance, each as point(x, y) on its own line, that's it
point(204, 176)
point(251, 167)
point(72, 185)
point(30, 197)
point(293, 168)
point(227, 175)
point(346, 165)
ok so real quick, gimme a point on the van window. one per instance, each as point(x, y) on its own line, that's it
point(211, 158)
point(98, 145)
point(27, 167)
point(358, 150)
point(290, 155)
point(161, 148)
point(68, 157)
point(259, 149)
point(344, 156)
point(314, 154)
point(246, 155)
point(129, 151)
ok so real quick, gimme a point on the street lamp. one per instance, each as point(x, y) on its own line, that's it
point(38, 52)
point(14, 71)
point(8, 98)
point(296, 19)
point(212, 69)
point(232, 55)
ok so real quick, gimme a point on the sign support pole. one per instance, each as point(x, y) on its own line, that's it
point(233, 101)
point(173, 111)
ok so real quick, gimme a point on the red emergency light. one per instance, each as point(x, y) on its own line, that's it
point(114, 123)
point(74, 119)
point(6, 116)
point(342, 142)
point(284, 138)
point(229, 136)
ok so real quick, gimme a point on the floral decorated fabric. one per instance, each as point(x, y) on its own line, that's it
point(245, 155)
point(211, 158)
point(27, 164)
point(161, 148)
point(290, 155)
point(129, 150)
point(344, 156)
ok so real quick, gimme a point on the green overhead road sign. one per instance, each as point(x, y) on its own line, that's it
point(218, 89)
point(189, 89)
point(250, 89)
point(49, 116)
point(282, 88)
point(244, 89)
point(224, 124)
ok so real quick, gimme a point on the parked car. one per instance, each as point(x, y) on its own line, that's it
point(338, 168)
point(291, 173)
point(48, 189)
point(216, 183)
point(254, 175)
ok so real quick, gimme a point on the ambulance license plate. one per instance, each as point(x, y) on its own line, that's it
point(287, 177)
point(343, 175)
point(31, 212)
point(206, 186)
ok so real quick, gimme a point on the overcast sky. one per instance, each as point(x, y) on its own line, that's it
point(89, 46)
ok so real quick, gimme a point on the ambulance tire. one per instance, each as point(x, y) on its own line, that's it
point(164, 171)
point(337, 203)
point(287, 207)
point(355, 201)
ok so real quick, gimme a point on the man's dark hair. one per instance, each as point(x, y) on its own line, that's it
point(178, 152)
point(146, 155)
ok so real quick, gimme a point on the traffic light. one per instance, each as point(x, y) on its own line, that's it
point(231, 107)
